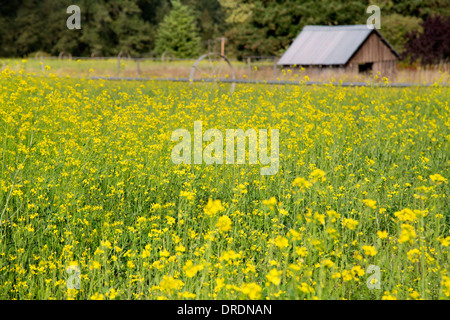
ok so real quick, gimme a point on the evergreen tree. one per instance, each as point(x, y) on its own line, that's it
point(177, 33)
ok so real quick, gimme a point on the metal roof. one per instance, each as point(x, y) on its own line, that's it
point(327, 45)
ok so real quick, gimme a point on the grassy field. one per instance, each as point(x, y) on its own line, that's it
point(257, 70)
point(87, 184)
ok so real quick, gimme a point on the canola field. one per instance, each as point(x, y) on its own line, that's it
point(93, 207)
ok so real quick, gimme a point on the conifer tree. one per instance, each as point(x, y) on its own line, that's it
point(177, 33)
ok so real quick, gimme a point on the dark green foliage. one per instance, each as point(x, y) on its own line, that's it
point(432, 45)
point(177, 33)
point(252, 27)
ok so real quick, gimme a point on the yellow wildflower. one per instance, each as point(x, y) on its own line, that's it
point(318, 174)
point(252, 290)
point(444, 241)
point(382, 234)
point(98, 296)
point(224, 224)
point(437, 178)
point(370, 203)
point(213, 207)
point(274, 276)
point(350, 223)
point(369, 250)
point(170, 284)
point(406, 215)
point(413, 255)
point(281, 242)
point(407, 234)
point(302, 183)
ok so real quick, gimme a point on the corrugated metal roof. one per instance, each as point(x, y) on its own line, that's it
point(326, 45)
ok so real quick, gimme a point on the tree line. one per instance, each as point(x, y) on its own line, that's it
point(417, 29)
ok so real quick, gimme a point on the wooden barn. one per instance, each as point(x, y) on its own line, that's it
point(356, 49)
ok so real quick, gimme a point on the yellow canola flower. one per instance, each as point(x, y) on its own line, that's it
point(190, 269)
point(188, 195)
point(437, 178)
point(407, 234)
point(112, 293)
point(406, 215)
point(145, 253)
point(180, 248)
point(302, 183)
point(271, 202)
point(318, 174)
point(415, 295)
point(357, 271)
point(333, 215)
point(95, 265)
point(170, 284)
point(382, 234)
point(252, 290)
point(413, 255)
point(445, 284)
point(349, 223)
point(281, 242)
point(274, 276)
point(75, 263)
point(220, 283)
point(229, 255)
point(295, 234)
point(71, 294)
point(164, 253)
point(224, 224)
point(444, 241)
point(187, 295)
point(98, 296)
point(327, 263)
point(98, 251)
point(388, 296)
point(370, 203)
point(346, 275)
point(305, 288)
point(105, 244)
point(336, 275)
point(369, 250)
point(301, 251)
point(320, 218)
point(213, 207)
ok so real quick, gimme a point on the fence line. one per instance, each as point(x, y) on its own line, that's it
point(241, 81)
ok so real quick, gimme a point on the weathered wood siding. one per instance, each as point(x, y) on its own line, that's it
point(373, 50)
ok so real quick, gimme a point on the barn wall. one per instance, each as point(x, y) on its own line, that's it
point(380, 68)
point(373, 50)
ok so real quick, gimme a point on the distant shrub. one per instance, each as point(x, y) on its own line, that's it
point(432, 45)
